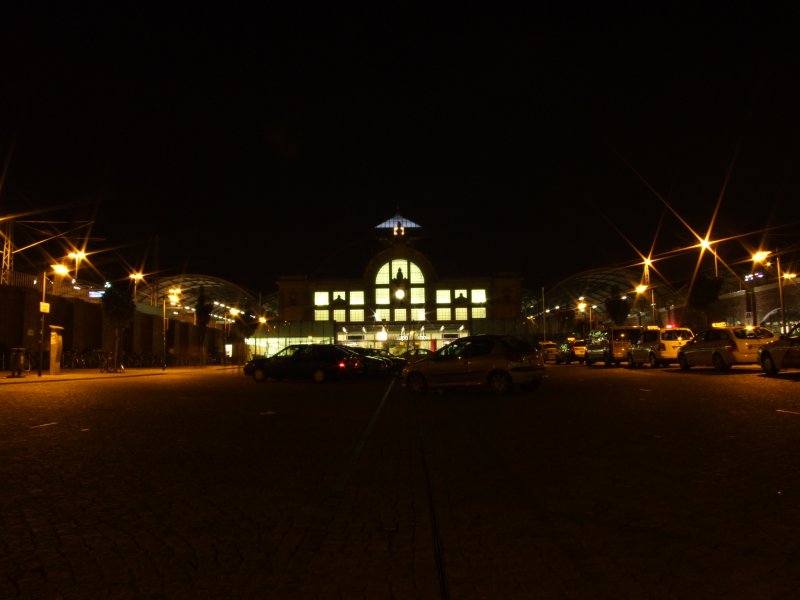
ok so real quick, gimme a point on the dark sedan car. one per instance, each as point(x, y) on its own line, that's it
point(318, 362)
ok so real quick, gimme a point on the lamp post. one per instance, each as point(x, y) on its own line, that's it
point(174, 298)
point(781, 277)
point(77, 255)
point(640, 290)
point(135, 277)
point(44, 308)
point(761, 257)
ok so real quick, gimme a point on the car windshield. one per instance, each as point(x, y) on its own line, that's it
point(756, 333)
point(621, 335)
point(521, 346)
point(676, 335)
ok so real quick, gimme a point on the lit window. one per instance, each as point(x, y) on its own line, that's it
point(442, 296)
point(478, 296)
point(382, 296)
point(460, 294)
point(357, 314)
point(462, 314)
point(415, 275)
point(399, 268)
point(417, 314)
point(382, 314)
point(479, 312)
point(356, 298)
point(418, 295)
point(339, 296)
point(321, 315)
point(321, 299)
point(400, 314)
point(383, 277)
point(443, 314)
point(340, 315)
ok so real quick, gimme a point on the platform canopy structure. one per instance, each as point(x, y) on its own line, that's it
point(594, 287)
point(222, 294)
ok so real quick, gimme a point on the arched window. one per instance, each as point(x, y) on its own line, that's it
point(400, 283)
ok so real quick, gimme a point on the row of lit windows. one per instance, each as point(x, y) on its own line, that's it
point(403, 274)
point(400, 315)
point(416, 296)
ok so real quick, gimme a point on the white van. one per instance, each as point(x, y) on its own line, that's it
point(658, 346)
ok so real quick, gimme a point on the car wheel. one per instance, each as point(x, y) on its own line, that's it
point(416, 384)
point(654, 364)
point(500, 382)
point(631, 363)
point(319, 376)
point(259, 374)
point(768, 364)
point(719, 363)
point(608, 360)
point(683, 363)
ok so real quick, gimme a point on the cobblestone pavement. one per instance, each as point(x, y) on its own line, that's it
point(200, 483)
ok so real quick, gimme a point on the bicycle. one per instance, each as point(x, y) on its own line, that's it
point(107, 364)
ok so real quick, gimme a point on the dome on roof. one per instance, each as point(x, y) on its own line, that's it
point(398, 221)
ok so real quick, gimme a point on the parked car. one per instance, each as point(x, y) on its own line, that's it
point(571, 351)
point(610, 345)
point(374, 365)
point(783, 353)
point(415, 354)
point(318, 362)
point(658, 346)
point(549, 350)
point(496, 362)
point(398, 362)
point(724, 347)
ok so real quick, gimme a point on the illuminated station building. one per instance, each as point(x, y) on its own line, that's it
point(400, 302)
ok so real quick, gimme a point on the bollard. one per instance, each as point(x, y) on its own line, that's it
point(17, 362)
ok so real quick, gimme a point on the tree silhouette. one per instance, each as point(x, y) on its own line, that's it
point(704, 295)
point(616, 307)
point(118, 310)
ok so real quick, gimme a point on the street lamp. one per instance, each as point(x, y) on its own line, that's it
point(582, 306)
point(135, 277)
point(174, 296)
point(78, 256)
point(647, 263)
point(761, 257)
point(44, 308)
point(640, 290)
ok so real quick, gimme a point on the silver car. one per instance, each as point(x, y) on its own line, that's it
point(496, 362)
point(723, 347)
point(783, 353)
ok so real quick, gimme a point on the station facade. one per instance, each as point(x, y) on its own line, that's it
point(399, 303)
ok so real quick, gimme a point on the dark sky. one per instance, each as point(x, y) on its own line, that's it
point(251, 144)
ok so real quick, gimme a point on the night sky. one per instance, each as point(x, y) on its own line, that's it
point(252, 144)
